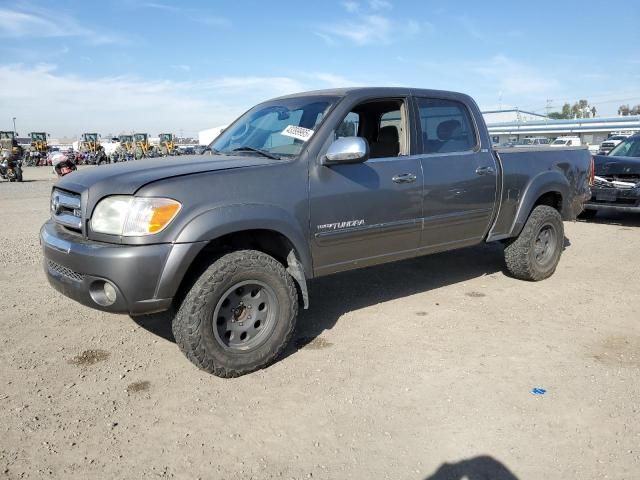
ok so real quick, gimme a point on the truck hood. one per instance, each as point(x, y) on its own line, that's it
point(127, 177)
point(607, 165)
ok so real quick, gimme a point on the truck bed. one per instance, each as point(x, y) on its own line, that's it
point(565, 170)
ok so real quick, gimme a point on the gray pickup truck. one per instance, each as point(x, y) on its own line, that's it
point(299, 187)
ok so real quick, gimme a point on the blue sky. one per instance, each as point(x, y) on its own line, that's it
point(112, 66)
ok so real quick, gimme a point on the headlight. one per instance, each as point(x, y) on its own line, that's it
point(133, 216)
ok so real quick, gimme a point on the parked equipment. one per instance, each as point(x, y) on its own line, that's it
point(142, 146)
point(168, 144)
point(39, 143)
point(11, 167)
point(124, 151)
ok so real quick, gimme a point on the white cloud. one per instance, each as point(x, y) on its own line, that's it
point(44, 99)
point(364, 31)
point(195, 15)
point(43, 23)
point(351, 7)
point(367, 26)
point(515, 78)
point(380, 5)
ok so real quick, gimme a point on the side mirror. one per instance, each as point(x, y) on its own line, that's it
point(347, 150)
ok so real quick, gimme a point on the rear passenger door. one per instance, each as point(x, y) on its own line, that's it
point(460, 177)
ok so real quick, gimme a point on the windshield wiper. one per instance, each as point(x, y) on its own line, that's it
point(264, 153)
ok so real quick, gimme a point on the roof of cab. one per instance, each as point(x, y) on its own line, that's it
point(373, 92)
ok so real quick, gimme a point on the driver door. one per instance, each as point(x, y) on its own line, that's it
point(368, 213)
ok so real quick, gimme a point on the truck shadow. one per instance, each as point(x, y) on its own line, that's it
point(621, 219)
point(333, 296)
point(483, 467)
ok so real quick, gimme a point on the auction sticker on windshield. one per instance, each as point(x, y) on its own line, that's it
point(299, 133)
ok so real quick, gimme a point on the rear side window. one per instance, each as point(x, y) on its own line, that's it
point(446, 126)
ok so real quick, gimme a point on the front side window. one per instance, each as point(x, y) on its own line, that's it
point(559, 142)
point(446, 126)
point(277, 129)
point(381, 123)
point(628, 148)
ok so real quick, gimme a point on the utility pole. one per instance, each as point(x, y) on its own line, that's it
point(549, 101)
point(14, 127)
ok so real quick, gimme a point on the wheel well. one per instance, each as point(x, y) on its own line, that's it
point(551, 199)
point(267, 241)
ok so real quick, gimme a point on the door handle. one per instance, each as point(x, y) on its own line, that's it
point(485, 170)
point(404, 178)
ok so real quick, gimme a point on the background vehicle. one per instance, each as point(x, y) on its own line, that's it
point(229, 240)
point(125, 149)
point(7, 141)
point(610, 143)
point(566, 142)
point(142, 147)
point(10, 167)
point(168, 144)
point(617, 180)
point(39, 147)
point(91, 150)
point(532, 142)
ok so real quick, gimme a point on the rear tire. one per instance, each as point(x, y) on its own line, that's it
point(238, 316)
point(535, 254)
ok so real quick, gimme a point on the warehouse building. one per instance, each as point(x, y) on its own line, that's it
point(592, 131)
point(511, 115)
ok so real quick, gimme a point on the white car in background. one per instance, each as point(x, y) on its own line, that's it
point(566, 142)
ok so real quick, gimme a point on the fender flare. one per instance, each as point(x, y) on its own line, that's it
point(224, 220)
point(545, 182)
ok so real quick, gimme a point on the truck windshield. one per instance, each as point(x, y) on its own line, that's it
point(629, 148)
point(277, 129)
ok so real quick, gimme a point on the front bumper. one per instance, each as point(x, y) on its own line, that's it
point(145, 277)
point(610, 199)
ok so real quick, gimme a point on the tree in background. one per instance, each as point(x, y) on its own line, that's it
point(580, 109)
point(625, 110)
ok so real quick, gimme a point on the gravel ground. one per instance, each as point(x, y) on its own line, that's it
point(421, 369)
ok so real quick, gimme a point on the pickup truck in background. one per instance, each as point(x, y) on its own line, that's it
point(616, 186)
point(299, 187)
point(611, 143)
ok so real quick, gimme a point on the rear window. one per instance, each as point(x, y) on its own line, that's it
point(446, 126)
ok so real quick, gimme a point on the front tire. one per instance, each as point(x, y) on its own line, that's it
point(238, 316)
point(535, 254)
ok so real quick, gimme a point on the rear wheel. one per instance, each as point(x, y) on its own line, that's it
point(535, 254)
point(239, 315)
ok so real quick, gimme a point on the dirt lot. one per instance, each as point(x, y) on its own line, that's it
point(416, 370)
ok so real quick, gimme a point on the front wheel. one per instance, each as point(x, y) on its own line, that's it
point(238, 316)
point(535, 254)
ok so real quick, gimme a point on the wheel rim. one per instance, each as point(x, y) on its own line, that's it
point(244, 316)
point(545, 245)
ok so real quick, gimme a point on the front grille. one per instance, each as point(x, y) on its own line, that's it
point(67, 272)
point(66, 209)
